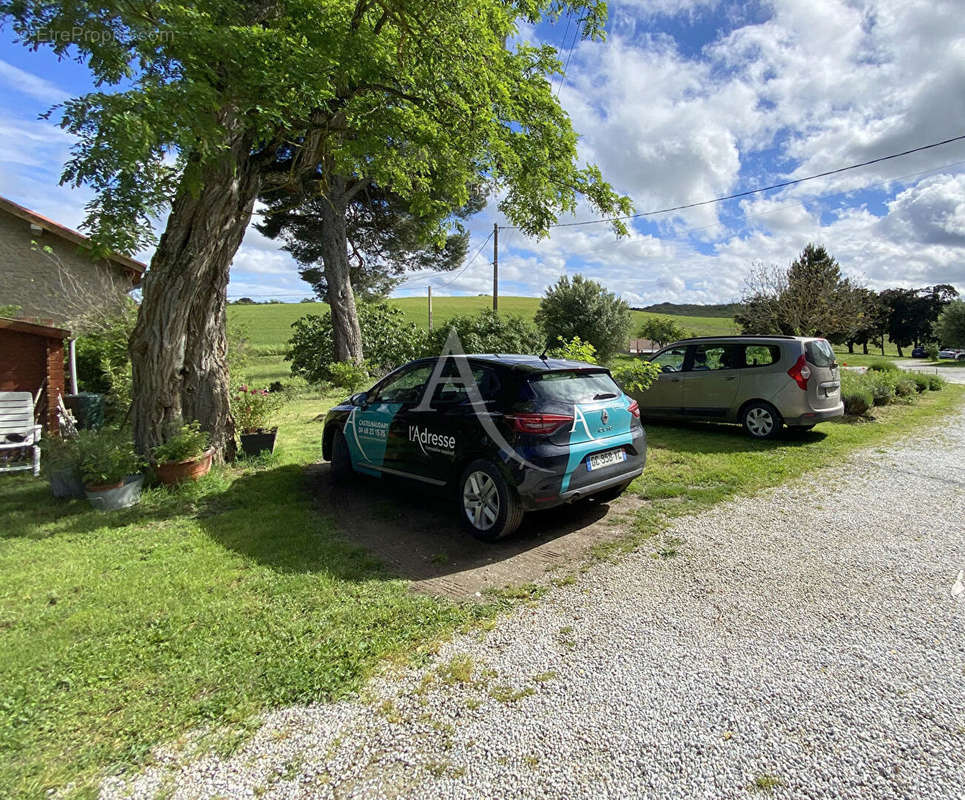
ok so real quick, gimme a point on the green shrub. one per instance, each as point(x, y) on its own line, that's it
point(581, 307)
point(882, 386)
point(347, 375)
point(574, 350)
point(931, 352)
point(906, 387)
point(882, 365)
point(857, 401)
point(388, 341)
point(486, 332)
point(103, 363)
point(636, 376)
point(182, 442)
point(253, 408)
point(921, 382)
point(107, 456)
point(60, 453)
point(936, 383)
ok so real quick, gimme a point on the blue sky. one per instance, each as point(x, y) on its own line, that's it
point(685, 100)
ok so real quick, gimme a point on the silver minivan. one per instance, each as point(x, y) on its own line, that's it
point(761, 382)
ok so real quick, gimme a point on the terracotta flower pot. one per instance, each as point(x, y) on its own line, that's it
point(172, 472)
point(254, 443)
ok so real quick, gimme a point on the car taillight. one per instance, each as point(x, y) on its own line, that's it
point(538, 423)
point(634, 408)
point(800, 372)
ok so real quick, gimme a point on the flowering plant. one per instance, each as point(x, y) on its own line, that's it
point(252, 408)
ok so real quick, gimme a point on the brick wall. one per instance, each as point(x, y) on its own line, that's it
point(25, 359)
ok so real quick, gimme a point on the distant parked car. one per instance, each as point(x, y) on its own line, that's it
point(761, 382)
point(918, 352)
point(953, 354)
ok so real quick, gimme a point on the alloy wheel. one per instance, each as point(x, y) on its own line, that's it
point(480, 500)
point(760, 422)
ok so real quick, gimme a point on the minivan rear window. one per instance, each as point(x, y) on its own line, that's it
point(819, 352)
point(571, 386)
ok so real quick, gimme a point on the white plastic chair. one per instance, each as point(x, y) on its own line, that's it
point(17, 428)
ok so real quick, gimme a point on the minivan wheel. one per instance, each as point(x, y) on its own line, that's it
point(489, 507)
point(761, 420)
point(341, 459)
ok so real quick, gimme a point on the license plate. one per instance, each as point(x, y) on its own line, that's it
point(601, 460)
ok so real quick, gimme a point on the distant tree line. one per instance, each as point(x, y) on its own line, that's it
point(812, 297)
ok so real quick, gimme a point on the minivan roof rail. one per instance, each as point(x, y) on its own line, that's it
point(742, 336)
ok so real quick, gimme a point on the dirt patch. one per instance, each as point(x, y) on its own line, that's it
point(416, 533)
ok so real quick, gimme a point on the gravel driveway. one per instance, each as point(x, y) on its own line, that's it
point(803, 643)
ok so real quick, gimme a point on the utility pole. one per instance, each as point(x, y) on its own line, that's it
point(495, 267)
point(429, 287)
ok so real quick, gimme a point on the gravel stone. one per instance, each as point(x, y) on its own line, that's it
point(804, 643)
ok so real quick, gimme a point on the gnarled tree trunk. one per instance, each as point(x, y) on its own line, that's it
point(178, 348)
point(341, 298)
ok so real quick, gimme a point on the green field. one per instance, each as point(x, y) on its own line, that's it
point(270, 325)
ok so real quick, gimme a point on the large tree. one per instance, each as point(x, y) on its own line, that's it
point(912, 313)
point(198, 103)
point(810, 298)
point(582, 307)
point(385, 238)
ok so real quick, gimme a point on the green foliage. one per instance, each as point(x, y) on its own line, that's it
point(936, 383)
point(882, 386)
point(912, 313)
point(205, 81)
point(584, 308)
point(661, 330)
point(253, 408)
point(10, 311)
point(103, 362)
point(107, 456)
point(574, 350)
point(931, 352)
point(906, 386)
point(388, 341)
point(636, 376)
point(182, 442)
point(348, 375)
point(486, 332)
point(857, 401)
point(239, 347)
point(921, 382)
point(950, 327)
point(882, 365)
point(60, 453)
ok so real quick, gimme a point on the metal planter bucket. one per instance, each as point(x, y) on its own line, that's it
point(263, 441)
point(66, 483)
point(123, 496)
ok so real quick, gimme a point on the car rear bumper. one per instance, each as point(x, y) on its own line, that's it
point(559, 481)
point(813, 417)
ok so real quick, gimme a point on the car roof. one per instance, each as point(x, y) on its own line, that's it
point(524, 362)
point(745, 337)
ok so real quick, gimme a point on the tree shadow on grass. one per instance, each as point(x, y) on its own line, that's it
point(296, 519)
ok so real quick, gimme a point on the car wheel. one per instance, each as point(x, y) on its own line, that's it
point(761, 420)
point(611, 494)
point(489, 507)
point(341, 459)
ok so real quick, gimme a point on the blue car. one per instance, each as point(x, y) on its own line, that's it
point(506, 433)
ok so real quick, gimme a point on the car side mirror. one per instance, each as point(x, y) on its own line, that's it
point(360, 399)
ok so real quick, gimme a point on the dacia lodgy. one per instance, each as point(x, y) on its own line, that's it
point(760, 382)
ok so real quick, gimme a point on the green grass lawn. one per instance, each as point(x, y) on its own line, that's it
point(209, 603)
point(269, 325)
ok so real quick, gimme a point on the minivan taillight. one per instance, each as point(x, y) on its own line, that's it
point(538, 423)
point(634, 408)
point(800, 372)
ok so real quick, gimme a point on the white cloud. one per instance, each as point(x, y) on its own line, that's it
point(27, 83)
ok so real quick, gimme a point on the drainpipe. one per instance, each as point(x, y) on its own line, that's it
point(72, 348)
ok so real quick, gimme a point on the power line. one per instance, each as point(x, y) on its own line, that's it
point(424, 278)
point(566, 64)
point(749, 192)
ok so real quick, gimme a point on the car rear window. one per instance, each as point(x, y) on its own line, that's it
point(571, 386)
point(819, 352)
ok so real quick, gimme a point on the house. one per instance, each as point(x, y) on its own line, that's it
point(32, 360)
point(642, 347)
point(49, 281)
point(47, 273)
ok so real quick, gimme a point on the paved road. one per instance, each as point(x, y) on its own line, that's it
point(951, 374)
point(804, 643)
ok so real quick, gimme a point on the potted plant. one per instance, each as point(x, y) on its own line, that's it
point(252, 409)
point(61, 460)
point(185, 455)
point(110, 469)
